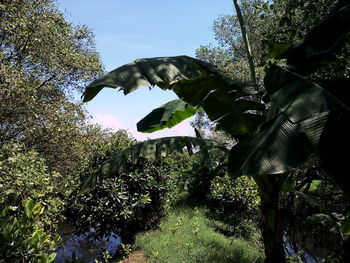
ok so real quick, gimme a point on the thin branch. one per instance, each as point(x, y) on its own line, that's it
point(46, 81)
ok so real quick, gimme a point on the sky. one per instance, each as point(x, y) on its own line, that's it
point(126, 30)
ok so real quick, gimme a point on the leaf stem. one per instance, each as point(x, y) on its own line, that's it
point(246, 43)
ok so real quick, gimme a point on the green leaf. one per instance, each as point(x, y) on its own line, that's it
point(327, 220)
point(28, 207)
point(56, 238)
point(314, 185)
point(161, 71)
point(166, 116)
point(278, 147)
point(302, 100)
point(194, 81)
point(74, 258)
point(37, 208)
point(288, 186)
point(230, 123)
point(324, 117)
point(43, 258)
point(4, 212)
point(278, 50)
point(322, 41)
point(150, 150)
point(346, 225)
point(52, 257)
point(13, 208)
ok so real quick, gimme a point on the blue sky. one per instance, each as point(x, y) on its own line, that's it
point(126, 30)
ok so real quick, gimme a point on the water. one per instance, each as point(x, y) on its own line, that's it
point(293, 249)
point(312, 244)
point(86, 248)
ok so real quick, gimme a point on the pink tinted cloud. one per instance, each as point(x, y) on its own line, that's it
point(111, 122)
point(182, 129)
point(108, 121)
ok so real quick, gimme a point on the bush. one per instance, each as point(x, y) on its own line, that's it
point(24, 175)
point(22, 238)
point(236, 204)
point(232, 203)
point(129, 203)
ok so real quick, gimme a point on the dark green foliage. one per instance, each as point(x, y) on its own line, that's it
point(235, 203)
point(42, 59)
point(199, 180)
point(313, 207)
point(166, 116)
point(278, 50)
point(25, 175)
point(44, 135)
point(304, 117)
point(132, 201)
point(280, 146)
point(314, 115)
point(150, 149)
point(38, 45)
point(321, 42)
point(289, 22)
point(323, 212)
point(127, 204)
point(195, 82)
point(22, 238)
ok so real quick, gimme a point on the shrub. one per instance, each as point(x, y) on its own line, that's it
point(24, 175)
point(126, 204)
point(22, 238)
point(130, 202)
point(235, 203)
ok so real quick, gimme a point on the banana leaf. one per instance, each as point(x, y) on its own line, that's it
point(195, 82)
point(166, 116)
point(149, 150)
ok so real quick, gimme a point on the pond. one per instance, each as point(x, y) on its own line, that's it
point(312, 244)
point(86, 248)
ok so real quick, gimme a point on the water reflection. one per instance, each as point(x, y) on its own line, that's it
point(86, 248)
point(311, 244)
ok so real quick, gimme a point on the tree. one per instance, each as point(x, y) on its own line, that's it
point(44, 61)
point(308, 117)
point(268, 22)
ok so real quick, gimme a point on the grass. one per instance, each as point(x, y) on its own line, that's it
point(186, 236)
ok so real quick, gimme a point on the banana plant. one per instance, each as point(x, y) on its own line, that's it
point(308, 116)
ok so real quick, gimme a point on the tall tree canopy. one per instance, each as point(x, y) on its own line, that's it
point(44, 60)
point(279, 21)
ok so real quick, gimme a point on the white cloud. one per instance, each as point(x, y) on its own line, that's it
point(108, 121)
point(111, 122)
point(182, 129)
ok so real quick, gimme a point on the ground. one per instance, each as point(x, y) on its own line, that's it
point(135, 257)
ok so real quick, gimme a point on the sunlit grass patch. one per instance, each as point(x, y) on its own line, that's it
point(186, 237)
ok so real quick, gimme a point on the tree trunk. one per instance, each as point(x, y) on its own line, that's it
point(271, 224)
point(272, 230)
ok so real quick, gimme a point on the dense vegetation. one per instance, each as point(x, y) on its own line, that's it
point(45, 136)
point(56, 167)
point(302, 117)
